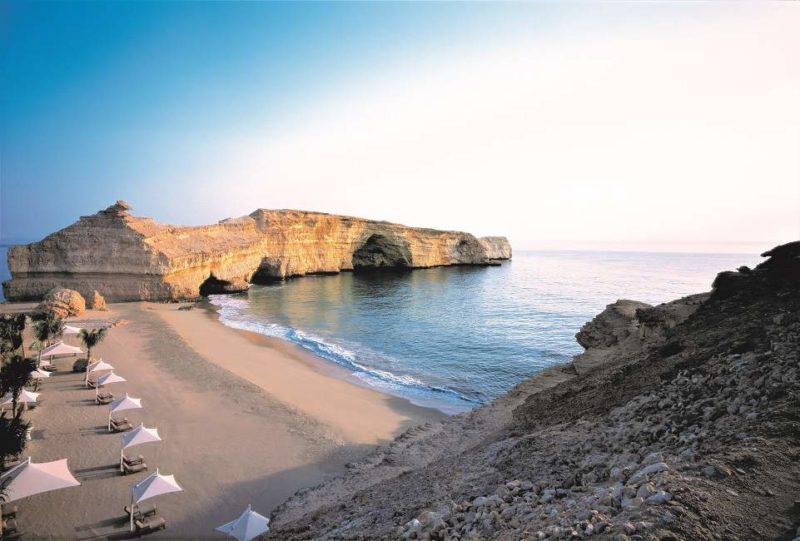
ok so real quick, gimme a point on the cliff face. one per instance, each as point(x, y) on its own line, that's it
point(128, 258)
point(680, 421)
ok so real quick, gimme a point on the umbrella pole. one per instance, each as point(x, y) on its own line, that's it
point(121, 458)
point(109, 421)
point(131, 508)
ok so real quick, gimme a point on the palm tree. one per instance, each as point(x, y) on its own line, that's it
point(46, 327)
point(14, 376)
point(11, 329)
point(90, 339)
point(13, 436)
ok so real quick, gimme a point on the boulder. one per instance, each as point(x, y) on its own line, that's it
point(612, 325)
point(96, 301)
point(63, 302)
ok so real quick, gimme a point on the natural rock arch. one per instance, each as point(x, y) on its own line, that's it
point(381, 251)
point(213, 285)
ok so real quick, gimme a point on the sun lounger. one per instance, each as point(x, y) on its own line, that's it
point(10, 527)
point(150, 524)
point(9, 511)
point(92, 383)
point(140, 512)
point(133, 468)
point(120, 425)
point(104, 398)
point(133, 461)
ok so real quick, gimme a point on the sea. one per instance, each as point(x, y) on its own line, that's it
point(457, 337)
point(453, 338)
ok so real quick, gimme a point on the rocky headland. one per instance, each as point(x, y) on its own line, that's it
point(679, 422)
point(129, 258)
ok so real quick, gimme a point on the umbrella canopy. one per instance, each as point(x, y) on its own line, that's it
point(154, 485)
point(39, 374)
point(99, 366)
point(110, 378)
point(249, 525)
point(125, 403)
point(60, 348)
point(28, 478)
point(25, 397)
point(139, 435)
point(70, 330)
point(151, 486)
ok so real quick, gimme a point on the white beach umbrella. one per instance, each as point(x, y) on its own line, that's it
point(68, 329)
point(151, 486)
point(249, 525)
point(39, 374)
point(107, 379)
point(122, 404)
point(137, 436)
point(60, 348)
point(28, 478)
point(25, 397)
point(98, 366)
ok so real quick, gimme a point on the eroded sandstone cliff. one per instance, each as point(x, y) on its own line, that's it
point(129, 258)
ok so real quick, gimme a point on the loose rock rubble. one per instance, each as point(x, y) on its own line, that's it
point(690, 431)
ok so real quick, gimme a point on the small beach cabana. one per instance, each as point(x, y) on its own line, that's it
point(29, 478)
point(123, 404)
point(137, 436)
point(249, 525)
point(151, 486)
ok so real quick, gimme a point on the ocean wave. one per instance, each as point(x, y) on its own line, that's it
point(233, 312)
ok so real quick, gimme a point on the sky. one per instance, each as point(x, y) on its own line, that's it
point(646, 126)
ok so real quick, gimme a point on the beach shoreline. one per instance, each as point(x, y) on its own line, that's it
point(245, 419)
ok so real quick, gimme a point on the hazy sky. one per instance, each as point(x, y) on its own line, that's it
point(624, 124)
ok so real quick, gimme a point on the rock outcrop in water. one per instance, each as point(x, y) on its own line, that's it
point(127, 258)
point(685, 426)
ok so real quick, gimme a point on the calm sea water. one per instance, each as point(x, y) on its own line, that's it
point(457, 337)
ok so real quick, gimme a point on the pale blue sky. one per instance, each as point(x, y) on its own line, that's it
point(618, 123)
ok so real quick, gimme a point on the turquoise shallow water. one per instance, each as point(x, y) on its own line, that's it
point(457, 337)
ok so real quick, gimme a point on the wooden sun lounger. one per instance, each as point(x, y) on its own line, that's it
point(10, 527)
point(133, 461)
point(9, 511)
point(150, 524)
point(120, 425)
point(104, 398)
point(133, 468)
point(141, 512)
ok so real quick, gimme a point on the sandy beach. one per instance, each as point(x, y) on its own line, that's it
point(244, 420)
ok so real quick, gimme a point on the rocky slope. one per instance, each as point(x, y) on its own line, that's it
point(128, 258)
point(680, 421)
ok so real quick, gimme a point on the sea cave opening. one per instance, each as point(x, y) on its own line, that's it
point(380, 251)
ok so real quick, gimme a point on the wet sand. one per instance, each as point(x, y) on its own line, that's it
point(244, 420)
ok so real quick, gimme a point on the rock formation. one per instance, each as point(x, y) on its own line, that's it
point(96, 301)
point(686, 427)
point(127, 258)
point(63, 302)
